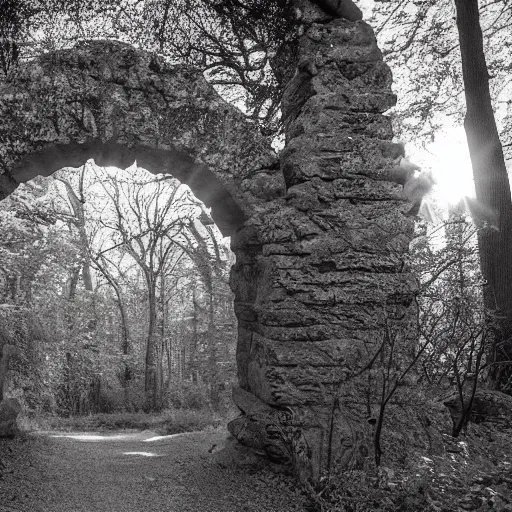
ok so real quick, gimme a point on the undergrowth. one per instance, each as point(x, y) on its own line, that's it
point(167, 422)
point(474, 473)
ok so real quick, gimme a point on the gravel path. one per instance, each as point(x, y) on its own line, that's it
point(139, 471)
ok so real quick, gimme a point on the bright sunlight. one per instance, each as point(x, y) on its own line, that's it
point(448, 159)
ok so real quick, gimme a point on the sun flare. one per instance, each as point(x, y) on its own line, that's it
point(448, 159)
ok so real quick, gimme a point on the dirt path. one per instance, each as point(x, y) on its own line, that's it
point(141, 471)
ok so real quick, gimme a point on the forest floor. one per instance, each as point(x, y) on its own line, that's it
point(127, 471)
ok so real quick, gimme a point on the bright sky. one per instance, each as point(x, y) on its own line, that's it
point(366, 6)
point(448, 159)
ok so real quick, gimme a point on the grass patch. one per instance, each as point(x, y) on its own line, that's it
point(167, 422)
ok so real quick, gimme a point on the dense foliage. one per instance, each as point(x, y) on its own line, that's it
point(420, 43)
point(96, 267)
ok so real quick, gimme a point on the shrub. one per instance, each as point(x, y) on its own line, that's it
point(168, 422)
point(365, 491)
point(118, 399)
point(188, 395)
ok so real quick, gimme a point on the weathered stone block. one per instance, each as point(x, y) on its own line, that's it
point(341, 40)
point(327, 157)
point(352, 80)
point(315, 118)
point(345, 9)
point(489, 406)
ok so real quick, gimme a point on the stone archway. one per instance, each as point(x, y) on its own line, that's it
point(107, 101)
point(319, 234)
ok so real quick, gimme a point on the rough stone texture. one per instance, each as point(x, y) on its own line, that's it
point(326, 262)
point(9, 410)
point(319, 237)
point(489, 406)
point(107, 101)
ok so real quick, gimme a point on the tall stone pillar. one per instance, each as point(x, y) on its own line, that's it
point(320, 273)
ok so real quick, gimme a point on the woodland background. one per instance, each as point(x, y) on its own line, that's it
point(96, 264)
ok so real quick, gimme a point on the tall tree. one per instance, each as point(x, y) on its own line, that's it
point(77, 202)
point(147, 217)
point(491, 184)
point(104, 264)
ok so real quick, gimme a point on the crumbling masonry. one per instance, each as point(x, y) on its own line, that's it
point(319, 232)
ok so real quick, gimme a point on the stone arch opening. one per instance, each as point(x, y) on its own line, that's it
point(207, 187)
point(79, 314)
point(109, 102)
point(319, 234)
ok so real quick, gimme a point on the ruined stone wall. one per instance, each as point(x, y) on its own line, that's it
point(326, 262)
point(108, 101)
point(319, 235)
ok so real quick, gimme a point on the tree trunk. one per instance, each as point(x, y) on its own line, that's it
point(168, 350)
point(71, 294)
point(11, 288)
point(125, 332)
point(26, 287)
point(153, 393)
point(492, 186)
point(68, 384)
point(193, 362)
point(77, 205)
point(212, 346)
point(7, 351)
point(162, 331)
point(125, 340)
